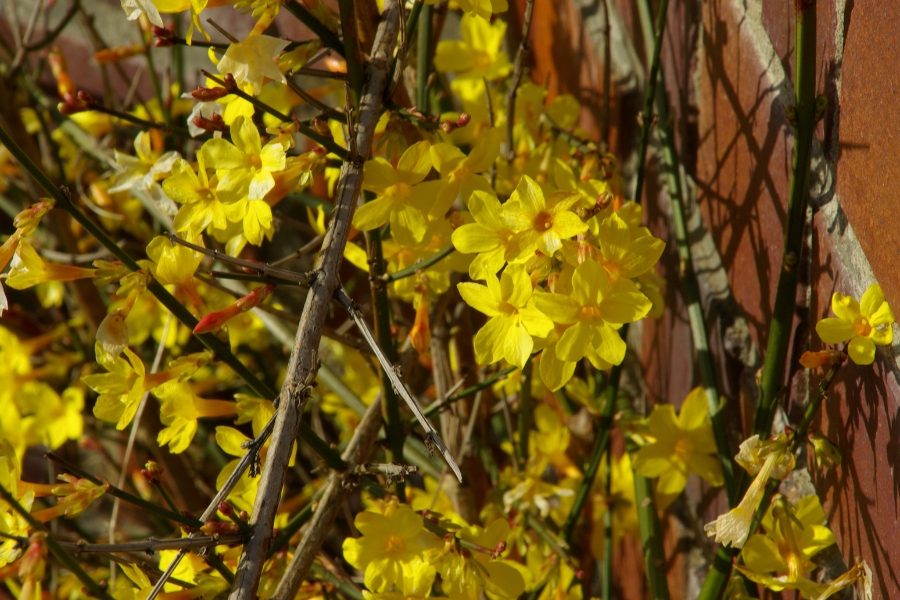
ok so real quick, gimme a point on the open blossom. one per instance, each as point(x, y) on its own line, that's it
point(864, 324)
point(683, 444)
point(391, 547)
point(513, 316)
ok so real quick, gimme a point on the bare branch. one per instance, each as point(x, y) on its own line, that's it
point(303, 362)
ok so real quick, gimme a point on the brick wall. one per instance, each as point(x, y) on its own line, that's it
point(728, 66)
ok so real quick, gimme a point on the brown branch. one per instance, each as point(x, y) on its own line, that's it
point(303, 362)
point(332, 499)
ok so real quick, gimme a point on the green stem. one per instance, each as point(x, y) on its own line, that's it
point(210, 341)
point(139, 121)
point(525, 416)
point(424, 58)
point(649, 97)
point(328, 37)
point(651, 539)
point(601, 446)
point(690, 290)
point(55, 549)
point(418, 266)
point(382, 314)
point(786, 294)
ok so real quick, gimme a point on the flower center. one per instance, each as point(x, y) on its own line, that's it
point(863, 327)
point(684, 447)
point(589, 313)
point(395, 545)
point(482, 61)
point(399, 190)
point(543, 221)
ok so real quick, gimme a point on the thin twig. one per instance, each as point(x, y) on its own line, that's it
point(649, 98)
point(304, 357)
point(519, 70)
point(417, 266)
point(432, 437)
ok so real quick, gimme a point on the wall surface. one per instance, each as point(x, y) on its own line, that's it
point(727, 67)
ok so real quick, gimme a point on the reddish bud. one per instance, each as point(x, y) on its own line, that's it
point(219, 528)
point(111, 55)
point(205, 94)
point(164, 37)
point(152, 472)
point(226, 508)
point(70, 105)
point(212, 321)
point(214, 123)
point(254, 297)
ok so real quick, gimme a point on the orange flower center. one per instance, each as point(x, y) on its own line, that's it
point(863, 327)
point(395, 544)
point(589, 313)
point(399, 190)
point(543, 221)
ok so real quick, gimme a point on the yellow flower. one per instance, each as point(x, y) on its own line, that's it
point(73, 497)
point(180, 408)
point(479, 55)
point(541, 223)
point(461, 173)
point(244, 165)
point(252, 60)
point(398, 197)
point(513, 316)
point(683, 444)
point(487, 236)
point(11, 522)
point(49, 418)
point(625, 251)
point(764, 459)
point(470, 573)
point(392, 547)
point(864, 324)
point(201, 206)
point(621, 502)
point(595, 309)
point(141, 171)
point(29, 269)
point(174, 263)
point(781, 558)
